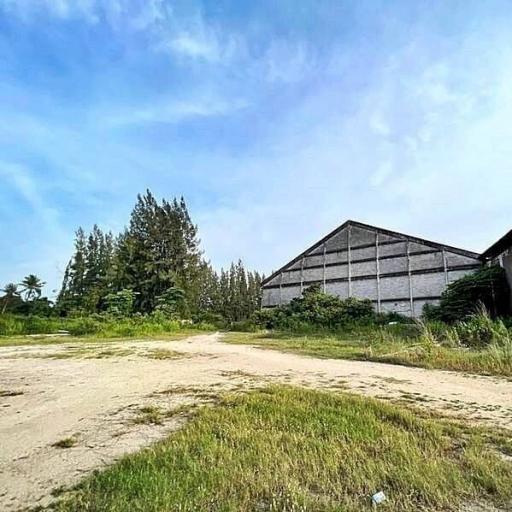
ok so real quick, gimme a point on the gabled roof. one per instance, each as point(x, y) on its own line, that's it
point(498, 247)
point(383, 231)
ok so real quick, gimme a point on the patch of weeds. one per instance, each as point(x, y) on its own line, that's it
point(236, 373)
point(341, 384)
point(111, 352)
point(279, 448)
point(195, 392)
point(414, 397)
point(392, 380)
point(67, 442)
point(149, 415)
point(160, 353)
point(10, 392)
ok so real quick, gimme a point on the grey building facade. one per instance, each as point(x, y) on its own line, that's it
point(397, 272)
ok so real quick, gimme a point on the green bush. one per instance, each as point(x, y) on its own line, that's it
point(120, 304)
point(317, 309)
point(488, 287)
point(244, 326)
point(480, 331)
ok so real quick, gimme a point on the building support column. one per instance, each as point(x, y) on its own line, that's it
point(349, 257)
point(445, 266)
point(411, 298)
point(302, 276)
point(324, 271)
point(378, 270)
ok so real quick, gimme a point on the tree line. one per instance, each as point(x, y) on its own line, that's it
point(154, 265)
point(25, 297)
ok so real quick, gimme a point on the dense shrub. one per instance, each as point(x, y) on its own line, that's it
point(488, 287)
point(317, 309)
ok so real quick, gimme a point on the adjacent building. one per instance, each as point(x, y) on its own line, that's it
point(397, 272)
point(500, 254)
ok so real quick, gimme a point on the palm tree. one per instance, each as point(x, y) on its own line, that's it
point(10, 290)
point(32, 287)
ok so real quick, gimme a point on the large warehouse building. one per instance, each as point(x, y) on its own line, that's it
point(396, 272)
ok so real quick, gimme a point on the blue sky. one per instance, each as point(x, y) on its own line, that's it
point(277, 120)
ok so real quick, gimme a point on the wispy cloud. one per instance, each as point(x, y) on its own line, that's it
point(275, 129)
point(170, 111)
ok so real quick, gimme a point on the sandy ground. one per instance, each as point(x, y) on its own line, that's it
point(94, 392)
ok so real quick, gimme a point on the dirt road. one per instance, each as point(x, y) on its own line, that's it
point(91, 395)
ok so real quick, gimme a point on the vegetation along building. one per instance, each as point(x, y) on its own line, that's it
point(396, 272)
point(500, 254)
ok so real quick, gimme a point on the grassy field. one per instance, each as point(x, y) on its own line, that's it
point(19, 330)
point(11, 341)
point(102, 326)
point(291, 449)
point(419, 353)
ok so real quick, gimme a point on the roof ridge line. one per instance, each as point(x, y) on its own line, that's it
point(351, 222)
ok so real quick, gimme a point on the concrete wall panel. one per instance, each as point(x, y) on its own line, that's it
point(453, 275)
point(314, 260)
point(427, 261)
point(394, 287)
point(270, 297)
point(274, 281)
point(313, 274)
point(387, 238)
point(360, 236)
point(393, 265)
point(366, 289)
point(317, 250)
point(337, 289)
point(453, 259)
point(425, 285)
point(336, 272)
point(295, 266)
point(291, 277)
point(339, 241)
point(360, 254)
point(366, 268)
point(337, 257)
point(388, 250)
point(290, 293)
point(414, 247)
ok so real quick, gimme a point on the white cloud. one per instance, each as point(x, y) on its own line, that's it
point(170, 111)
point(285, 61)
point(30, 10)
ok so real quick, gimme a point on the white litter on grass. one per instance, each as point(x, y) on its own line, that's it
point(378, 498)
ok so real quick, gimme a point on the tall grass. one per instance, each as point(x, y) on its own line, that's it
point(479, 345)
point(100, 326)
point(290, 449)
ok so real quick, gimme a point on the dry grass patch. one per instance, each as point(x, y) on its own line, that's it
point(388, 349)
point(161, 353)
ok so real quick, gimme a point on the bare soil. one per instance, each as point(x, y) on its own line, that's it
point(67, 409)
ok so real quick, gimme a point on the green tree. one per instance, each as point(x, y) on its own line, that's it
point(158, 251)
point(32, 287)
point(11, 293)
point(161, 251)
point(172, 303)
point(487, 287)
point(120, 304)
